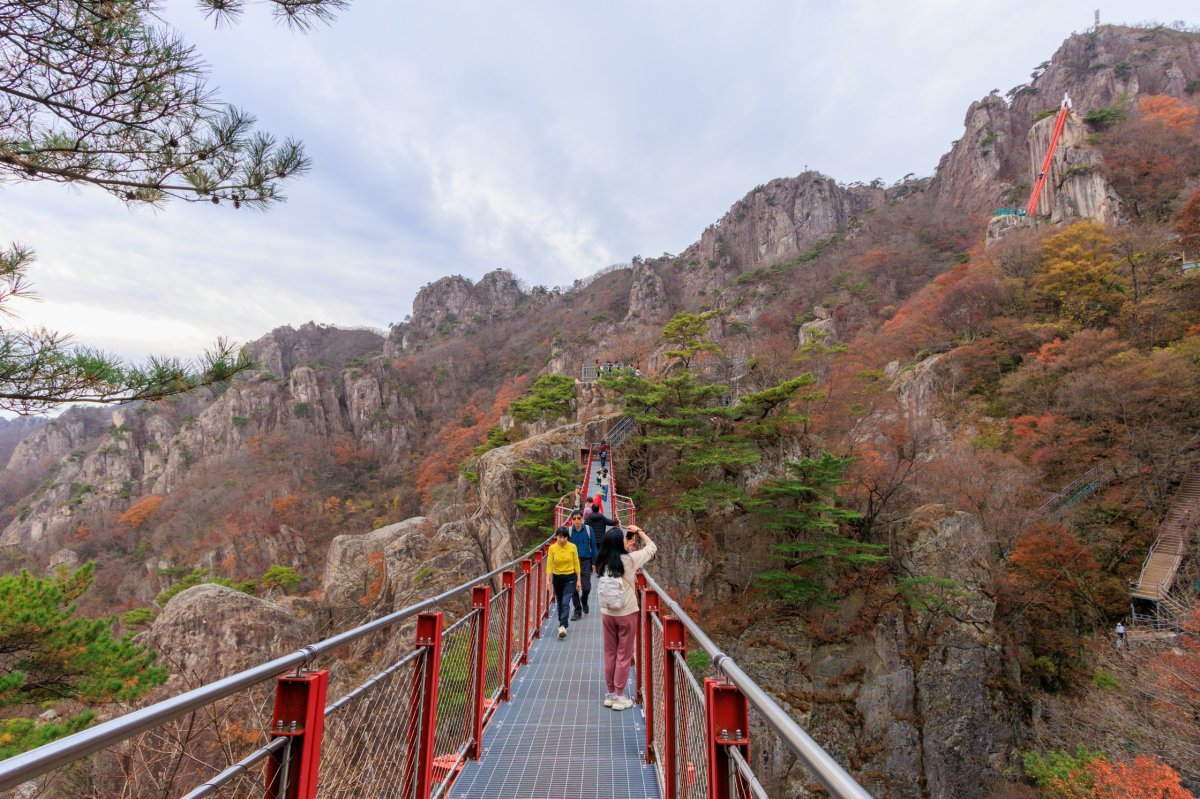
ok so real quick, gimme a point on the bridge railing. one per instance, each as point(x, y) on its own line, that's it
point(701, 734)
point(395, 708)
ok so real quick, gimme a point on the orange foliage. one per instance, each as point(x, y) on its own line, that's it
point(1170, 111)
point(1051, 442)
point(453, 443)
point(282, 505)
point(141, 512)
point(1146, 777)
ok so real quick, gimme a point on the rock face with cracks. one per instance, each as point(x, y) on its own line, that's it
point(209, 631)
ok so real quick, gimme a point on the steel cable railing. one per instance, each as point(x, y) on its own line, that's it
point(743, 783)
point(700, 736)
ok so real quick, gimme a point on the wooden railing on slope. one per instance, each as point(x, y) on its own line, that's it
point(1174, 535)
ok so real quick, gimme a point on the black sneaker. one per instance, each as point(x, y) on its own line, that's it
point(585, 610)
point(576, 616)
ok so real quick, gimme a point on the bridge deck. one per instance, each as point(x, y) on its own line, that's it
point(556, 739)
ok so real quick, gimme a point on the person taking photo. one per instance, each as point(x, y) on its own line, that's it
point(617, 562)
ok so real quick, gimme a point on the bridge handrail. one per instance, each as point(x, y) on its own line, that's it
point(819, 763)
point(28, 765)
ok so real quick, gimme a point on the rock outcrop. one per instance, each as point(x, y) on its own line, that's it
point(1075, 187)
point(210, 631)
point(911, 703)
point(453, 303)
point(399, 564)
point(990, 165)
point(778, 221)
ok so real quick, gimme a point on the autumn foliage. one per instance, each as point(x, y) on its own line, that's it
point(141, 512)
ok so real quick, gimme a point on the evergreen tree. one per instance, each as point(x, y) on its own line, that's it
point(555, 478)
point(803, 514)
point(548, 398)
point(713, 441)
point(48, 653)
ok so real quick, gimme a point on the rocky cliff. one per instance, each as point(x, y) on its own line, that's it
point(995, 162)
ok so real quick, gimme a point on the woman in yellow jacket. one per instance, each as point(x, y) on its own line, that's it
point(562, 574)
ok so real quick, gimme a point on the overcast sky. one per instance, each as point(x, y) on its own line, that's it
point(549, 138)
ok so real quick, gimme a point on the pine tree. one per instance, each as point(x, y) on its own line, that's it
point(803, 514)
point(103, 94)
point(48, 653)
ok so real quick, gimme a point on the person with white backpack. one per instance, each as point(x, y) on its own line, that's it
point(616, 566)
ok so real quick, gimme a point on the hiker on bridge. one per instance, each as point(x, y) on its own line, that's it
point(616, 564)
point(585, 544)
point(599, 523)
point(562, 576)
point(603, 450)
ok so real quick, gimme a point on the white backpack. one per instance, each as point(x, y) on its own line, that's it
point(610, 590)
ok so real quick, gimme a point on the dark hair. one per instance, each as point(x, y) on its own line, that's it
point(563, 531)
point(595, 508)
point(608, 559)
point(576, 512)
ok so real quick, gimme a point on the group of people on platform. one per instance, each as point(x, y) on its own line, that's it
point(597, 545)
point(608, 366)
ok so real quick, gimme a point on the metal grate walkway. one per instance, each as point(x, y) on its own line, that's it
point(555, 739)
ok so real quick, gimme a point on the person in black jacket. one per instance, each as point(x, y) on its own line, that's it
point(599, 523)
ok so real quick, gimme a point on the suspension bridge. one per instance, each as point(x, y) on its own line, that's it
point(464, 695)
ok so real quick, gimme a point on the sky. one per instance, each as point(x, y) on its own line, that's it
point(550, 139)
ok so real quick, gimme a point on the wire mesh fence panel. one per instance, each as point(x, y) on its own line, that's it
point(771, 760)
point(520, 620)
point(371, 735)
point(497, 625)
point(455, 707)
point(690, 750)
point(171, 759)
point(656, 664)
point(743, 784)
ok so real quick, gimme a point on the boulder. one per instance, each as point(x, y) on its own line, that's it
point(209, 631)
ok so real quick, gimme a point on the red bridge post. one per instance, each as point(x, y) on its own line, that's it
point(299, 715)
point(508, 581)
point(650, 608)
point(528, 573)
point(418, 764)
point(726, 725)
point(674, 640)
point(481, 601)
point(539, 572)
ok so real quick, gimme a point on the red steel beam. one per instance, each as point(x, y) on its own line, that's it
point(726, 726)
point(508, 581)
point(674, 640)
point(299, 715)
point(423, 734)
point(481, 600)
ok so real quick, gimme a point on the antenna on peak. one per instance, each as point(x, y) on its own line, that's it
point(1097, 19)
